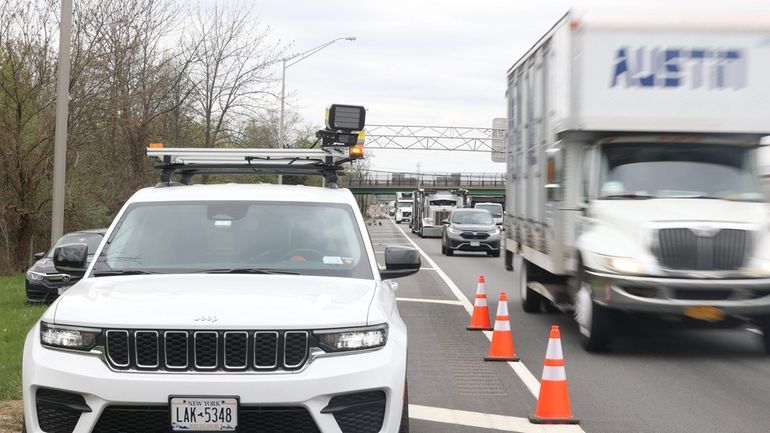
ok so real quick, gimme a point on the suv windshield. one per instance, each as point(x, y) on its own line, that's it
point(495, 209)
point(471, 217)
point(91, 239)
point(184, 237)
point(655, 170)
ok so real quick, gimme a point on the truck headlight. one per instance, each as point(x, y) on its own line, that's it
point(68, 337)
point(344, 340)
point(623, 265)
point(35, 276)
point(759, 267)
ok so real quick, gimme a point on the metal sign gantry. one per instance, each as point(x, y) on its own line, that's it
point(414, 137)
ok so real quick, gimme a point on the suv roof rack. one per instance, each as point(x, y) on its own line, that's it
point(340, 144)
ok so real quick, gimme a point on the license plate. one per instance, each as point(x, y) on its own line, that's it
point(711, 314)
point(204, 414)
point(63, 289)
point(475, 243)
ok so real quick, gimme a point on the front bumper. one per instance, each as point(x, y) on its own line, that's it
point(744, 297)
point(461, 244)
point(311, 388)
point(44, 290)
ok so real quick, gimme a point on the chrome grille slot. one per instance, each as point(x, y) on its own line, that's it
point(687, 249)
point(265, 349)
point(206, 350)
point(177, 351)
point(236, 349)
point(147, 350)
point(117, 348)
point(295, 348)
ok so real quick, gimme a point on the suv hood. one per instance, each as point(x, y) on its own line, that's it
point(225, 301)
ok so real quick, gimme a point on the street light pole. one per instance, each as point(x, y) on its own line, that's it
point(299, 57)
point(60, 134)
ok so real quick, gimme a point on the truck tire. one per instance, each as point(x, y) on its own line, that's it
point(595, 322)
point(508, 261)
point(530, 299)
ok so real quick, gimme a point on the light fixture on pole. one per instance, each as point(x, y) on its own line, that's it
point(287, 63)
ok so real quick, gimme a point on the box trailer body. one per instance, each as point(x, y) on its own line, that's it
point(432, 207)
point(631, 153)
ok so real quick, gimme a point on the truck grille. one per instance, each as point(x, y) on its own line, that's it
point(682, 248)
point(173, 350)
point(441, 215)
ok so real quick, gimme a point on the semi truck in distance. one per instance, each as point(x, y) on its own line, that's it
point(432, 207)
point(632, 185)
point(403, 212)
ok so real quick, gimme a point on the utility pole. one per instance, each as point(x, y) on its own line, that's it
point(62, 109)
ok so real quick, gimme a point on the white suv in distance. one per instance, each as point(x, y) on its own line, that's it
point(248, 308)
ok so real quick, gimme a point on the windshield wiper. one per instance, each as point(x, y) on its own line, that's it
point(247, 271)
point(110, 272)
point(629, 196)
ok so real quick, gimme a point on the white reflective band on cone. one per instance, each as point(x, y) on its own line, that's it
point(502, 308)
point(501, 325)
point(482, 288)
point(480, 302)
point(554, 349)
point(554, 373)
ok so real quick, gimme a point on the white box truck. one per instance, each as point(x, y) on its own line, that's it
point(632, 188)
point(404, 200)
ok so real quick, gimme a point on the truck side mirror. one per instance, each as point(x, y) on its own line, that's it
point(445, 222)
point(400, 261)
point(71, 259)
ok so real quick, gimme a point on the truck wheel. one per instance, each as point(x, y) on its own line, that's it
point(594, 321)
point(530, 299)
point(508, 260)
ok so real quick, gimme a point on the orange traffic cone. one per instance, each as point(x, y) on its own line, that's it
point(501, 348)
point(553, 402)
point(480, 317)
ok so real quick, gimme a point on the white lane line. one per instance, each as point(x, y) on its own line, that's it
point(485, 420)
point(430, 301)
point(754, 330)
point(526, 376)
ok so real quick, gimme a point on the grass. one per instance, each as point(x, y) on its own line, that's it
point(16, 319)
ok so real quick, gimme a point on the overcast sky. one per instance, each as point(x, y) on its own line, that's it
point(420, 62)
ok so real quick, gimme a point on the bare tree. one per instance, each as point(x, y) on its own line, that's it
point(232, 68)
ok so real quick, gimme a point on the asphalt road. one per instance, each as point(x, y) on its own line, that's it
point(652, 380)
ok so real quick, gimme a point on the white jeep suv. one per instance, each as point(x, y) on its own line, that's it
point(247, 308)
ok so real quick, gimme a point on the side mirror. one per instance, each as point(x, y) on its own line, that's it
point(71, 259)
point(445, 222)
point(400, 261)
point(40, 255)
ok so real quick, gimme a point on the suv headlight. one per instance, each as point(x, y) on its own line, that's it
point(453, 230)
point(35, 276)
point(68, 337)
point(344, 340)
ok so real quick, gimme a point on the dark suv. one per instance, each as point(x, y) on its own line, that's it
point(43, 282)
point(470, 230)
